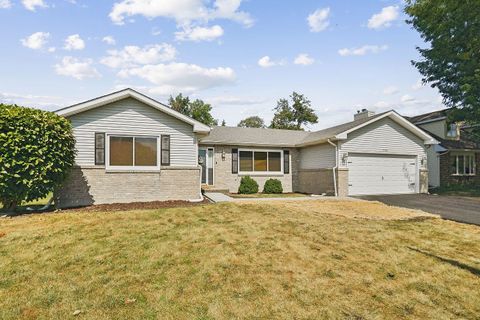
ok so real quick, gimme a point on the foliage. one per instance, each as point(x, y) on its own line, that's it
point(273, 186)
point(451, 62)
point(196, 109)
point(295, 116)
point(36, 150)
point(248, 186)
point(201, 111)
point(224, 123)
point(252, 122)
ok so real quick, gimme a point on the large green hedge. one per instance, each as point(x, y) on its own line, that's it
point(36, 150)
point(248, 186)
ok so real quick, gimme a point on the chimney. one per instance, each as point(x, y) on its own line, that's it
point(363, 114)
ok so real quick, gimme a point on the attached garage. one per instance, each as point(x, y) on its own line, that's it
point(381, 174)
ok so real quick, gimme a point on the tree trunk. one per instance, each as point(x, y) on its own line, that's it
point(10, 206)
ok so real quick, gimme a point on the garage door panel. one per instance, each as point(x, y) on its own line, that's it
point(381, 174)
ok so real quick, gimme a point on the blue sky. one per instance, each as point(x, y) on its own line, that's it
point(240, 56)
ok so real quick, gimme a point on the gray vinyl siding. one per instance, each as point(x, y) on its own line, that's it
point(384, 136)
point(317, 157)
point(132, 117)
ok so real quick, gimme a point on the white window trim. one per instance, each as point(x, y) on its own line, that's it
point(109, 167)
point(263, 173)
point(470, 155)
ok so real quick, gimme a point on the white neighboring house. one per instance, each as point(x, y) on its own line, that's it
point(132, 148)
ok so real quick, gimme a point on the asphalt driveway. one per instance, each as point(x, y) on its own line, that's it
point(461, 209)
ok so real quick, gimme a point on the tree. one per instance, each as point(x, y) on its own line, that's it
point(295, 116)
point(37, 148)
point(224, 124)
point(200, 111)
point(252, 122)
point(451, 63)
point(180, 104)
point(197, 109)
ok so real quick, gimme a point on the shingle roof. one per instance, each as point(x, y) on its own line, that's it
point(333, 131)
point(276, 137)
point(254, 136)
point(428, 116)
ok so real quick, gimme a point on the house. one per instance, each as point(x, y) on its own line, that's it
point(133, 148)
point(456, 159)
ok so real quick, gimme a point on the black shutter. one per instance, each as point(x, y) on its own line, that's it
point(286, 161)
point(234, 160)
point(99, 148)
point(165, 150)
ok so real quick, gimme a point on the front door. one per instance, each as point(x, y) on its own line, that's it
point(205, 158)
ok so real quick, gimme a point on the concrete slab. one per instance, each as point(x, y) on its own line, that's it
point(217, 197)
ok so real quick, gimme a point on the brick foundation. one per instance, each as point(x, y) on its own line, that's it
point(87, 186)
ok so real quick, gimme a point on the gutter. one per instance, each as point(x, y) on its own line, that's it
point(334, 169)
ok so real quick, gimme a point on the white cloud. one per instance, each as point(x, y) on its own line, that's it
point(109, 40)
point(74, 42)
point(304, 59)
point(234, 101)
point(362, 50)
point(199, 33)
point(181, 77)
point(267, 62)
point(390, 90)
point(36, 40)
point(31, 4)
point(418, 85)
point(184, 12)
point(407, 98)
point(5, 4)
point(51, 49)
point(46, 102)
point(318, 20)
point(76, 68)
point(384, 18)
point(132, 56)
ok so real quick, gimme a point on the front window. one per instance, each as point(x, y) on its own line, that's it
point(452, 131)
point(463, 164)
point(133, 152)
point(260, 161)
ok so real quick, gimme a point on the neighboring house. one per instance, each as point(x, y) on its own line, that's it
point(133, 148)
point(456, 159)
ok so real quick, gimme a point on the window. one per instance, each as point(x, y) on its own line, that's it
point(133, 152)
point(260, 161)
point(99, 148)
point(463, 164)
point(452, 130)
point(165, 150)
point(286, 161)
point(234, 160)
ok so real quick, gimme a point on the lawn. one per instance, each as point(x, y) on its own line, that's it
point(302, 260)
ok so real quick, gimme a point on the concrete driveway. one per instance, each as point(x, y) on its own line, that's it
point(461, 209)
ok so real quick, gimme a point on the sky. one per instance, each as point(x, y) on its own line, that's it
point(239, 56)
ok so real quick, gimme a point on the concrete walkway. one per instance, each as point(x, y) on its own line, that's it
point(218, 197)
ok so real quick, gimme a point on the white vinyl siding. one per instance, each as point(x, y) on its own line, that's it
point(132, 117)
point(384, 137)
point(317, 157)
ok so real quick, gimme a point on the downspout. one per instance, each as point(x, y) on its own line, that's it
point(334, 169)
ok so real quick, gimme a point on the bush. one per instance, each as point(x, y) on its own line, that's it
point(248, 186)
point(273, 186)
point(36, 150)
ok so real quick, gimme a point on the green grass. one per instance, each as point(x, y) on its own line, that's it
point(268, 195)
point(459, 190)
point(237, 261)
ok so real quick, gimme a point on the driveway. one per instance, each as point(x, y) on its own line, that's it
point(461, 209)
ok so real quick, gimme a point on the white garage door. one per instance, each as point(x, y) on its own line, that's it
point(381, 174)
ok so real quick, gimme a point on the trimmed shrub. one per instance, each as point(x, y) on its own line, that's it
point(37, 148)
point(273, 186)
point(248, 186)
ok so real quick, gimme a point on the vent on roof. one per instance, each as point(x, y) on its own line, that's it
point(362, 114)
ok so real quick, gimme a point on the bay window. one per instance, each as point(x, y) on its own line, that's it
point(132, 152)
point(260, 161)
point(463, 164)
